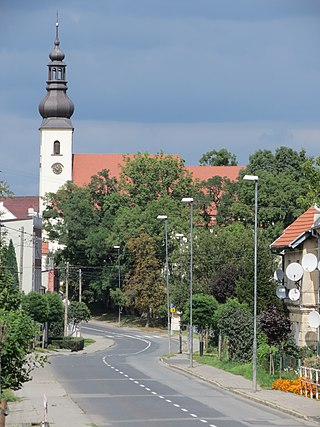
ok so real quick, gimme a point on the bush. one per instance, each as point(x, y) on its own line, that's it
point(292, 386)
point(70, 343)
point(312, 362)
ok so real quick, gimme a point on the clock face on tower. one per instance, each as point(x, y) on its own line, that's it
point(57, 168)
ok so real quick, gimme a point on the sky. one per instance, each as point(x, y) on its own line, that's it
point(179, 76)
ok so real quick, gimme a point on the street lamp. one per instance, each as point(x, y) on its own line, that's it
point(165, 219)
point(180, 237)
point(119, 281)
point(189, 200)
point(254, 350)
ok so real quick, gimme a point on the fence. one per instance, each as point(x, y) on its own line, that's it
point(309, 382)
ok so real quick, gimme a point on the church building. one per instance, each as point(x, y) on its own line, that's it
point(59, 163)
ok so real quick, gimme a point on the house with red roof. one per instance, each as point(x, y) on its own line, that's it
point(21, 223)
point(298, 247)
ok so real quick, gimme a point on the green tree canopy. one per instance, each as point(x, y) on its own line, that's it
point(220, 157)
point(36, 306)
point(78, 312)
point(145, 178)
point(11, 262)
point(203, 309)
point(144, 286)
point(55, 314)
point(311, 172)
point(15, 350)
point(236, 323)
point(281, 184)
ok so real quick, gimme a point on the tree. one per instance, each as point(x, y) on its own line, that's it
point(144, 287)
point(55, 314)
point(215, 194)
point(10, 296)
point(311, 172)
point(36, 306)
point(78, 312)
point(236, 323)
point(281, 184)
point(5, 191)
point(118, 297)
point(224, 283)
point(145, 178)
point(276, 325)
point(218, 158)
point(203, 308)
point(88, 221)
point(11, 262)
point(224, 265)
point(17, 360)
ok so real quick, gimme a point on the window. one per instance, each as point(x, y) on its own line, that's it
point(56, 148)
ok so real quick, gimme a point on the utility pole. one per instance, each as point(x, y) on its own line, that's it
point(66, 301)
point(21, 258)
point(33, 260)
point(80, 285)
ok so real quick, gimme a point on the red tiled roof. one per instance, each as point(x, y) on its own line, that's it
point(300, 226)
point(203, 173)
point(19, 205)
point(87, 165)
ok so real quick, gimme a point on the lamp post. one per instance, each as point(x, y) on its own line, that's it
point(180, 237)
point(119, 281)
point(254, 350)
point(189, 200)
point(165, 219)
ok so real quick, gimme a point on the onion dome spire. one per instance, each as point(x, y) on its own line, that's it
point(56, 108)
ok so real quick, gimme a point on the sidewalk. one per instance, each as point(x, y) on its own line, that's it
point(62, 411)
point(293, 404)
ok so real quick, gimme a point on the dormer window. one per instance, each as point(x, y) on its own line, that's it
point(56, 148)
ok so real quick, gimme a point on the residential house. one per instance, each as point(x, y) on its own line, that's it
point(21, 223)
point(298, 242)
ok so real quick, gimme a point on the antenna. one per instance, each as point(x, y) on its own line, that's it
point(278, 275)
point(294, 271)
point(294, 294)
point(314, 319)
point(309, 262)
point(281, 292)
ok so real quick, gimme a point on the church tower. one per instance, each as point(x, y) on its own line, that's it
point(56, 130)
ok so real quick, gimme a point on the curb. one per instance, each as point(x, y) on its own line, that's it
point(239, 392)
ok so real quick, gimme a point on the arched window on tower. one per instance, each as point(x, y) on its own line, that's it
point(56, 148)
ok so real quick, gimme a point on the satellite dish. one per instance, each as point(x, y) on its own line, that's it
point(314, 319)
point(281, 292)
point(278, 275)
point(294, 294)
point(309, 262)
point(294, 271)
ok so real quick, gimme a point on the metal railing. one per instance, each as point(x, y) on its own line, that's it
point(309, 382)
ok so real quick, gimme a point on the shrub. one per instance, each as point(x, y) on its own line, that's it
point(297, 386)
point(70, 343)
point(312, 362)
point(292, 386)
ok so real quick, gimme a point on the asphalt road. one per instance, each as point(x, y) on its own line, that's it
point(127, 386)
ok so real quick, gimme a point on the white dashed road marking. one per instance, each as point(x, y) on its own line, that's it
point(176, 405)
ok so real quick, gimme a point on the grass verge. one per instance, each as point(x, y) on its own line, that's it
point(244, 369)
